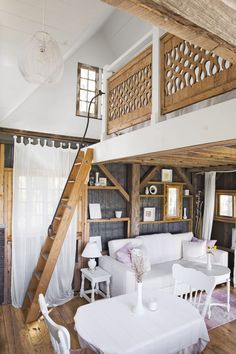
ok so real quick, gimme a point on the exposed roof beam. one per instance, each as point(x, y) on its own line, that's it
point(208, 24)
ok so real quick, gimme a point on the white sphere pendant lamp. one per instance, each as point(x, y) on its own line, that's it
point(41, 60)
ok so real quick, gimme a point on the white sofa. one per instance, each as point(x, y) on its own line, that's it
point(163, 251)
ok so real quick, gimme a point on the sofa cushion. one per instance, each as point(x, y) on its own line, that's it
point(193, 250)
point(115, 245)
point(164, 247)
point(123, 254)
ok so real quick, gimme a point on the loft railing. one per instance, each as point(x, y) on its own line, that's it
point(190, 74)
point(169, 75)
point(130, 93)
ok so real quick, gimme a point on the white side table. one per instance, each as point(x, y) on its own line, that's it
point(96, 277)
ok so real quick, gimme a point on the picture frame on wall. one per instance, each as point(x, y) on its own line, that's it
point(166, 175)
point(95, 211)
point(149, 214)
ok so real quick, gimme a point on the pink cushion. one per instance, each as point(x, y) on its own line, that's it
point(123, 254)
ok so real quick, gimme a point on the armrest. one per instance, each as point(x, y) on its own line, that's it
point(220, 257)
point(122, 278)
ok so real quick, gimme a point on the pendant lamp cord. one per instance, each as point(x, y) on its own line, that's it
point(43, 14)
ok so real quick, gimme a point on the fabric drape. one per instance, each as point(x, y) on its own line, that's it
point(209, 204)
point(39, 176)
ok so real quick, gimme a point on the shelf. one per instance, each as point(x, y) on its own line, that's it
point(103, 187)
point(151, 196)
point(109, 220)
point(159, 182)
point(164, 221)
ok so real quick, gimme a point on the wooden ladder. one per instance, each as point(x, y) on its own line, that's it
point(56, 234)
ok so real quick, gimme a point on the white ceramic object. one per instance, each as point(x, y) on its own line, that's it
point(185, 213)
point(152, 305)
point(138, 309)
point(118, 214)
point(153, 189)
point(147, 190)
point(97, 179)
point(209, 264)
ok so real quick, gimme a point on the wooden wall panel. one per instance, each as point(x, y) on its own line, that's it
point(190, 74)
point(130, 93)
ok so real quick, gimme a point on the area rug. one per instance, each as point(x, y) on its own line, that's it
point(219, 315)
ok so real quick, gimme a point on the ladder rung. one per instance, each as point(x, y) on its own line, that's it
point(65, 199)
point(77, 163)
point(45, 256)
point(71, 181)
point(30, 295)
point(52, 237)
point(37, 275)
point(58, 217)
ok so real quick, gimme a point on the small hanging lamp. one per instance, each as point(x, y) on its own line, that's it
point(41, 60)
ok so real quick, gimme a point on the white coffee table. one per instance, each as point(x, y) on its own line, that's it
point(221, 275)
point(98, 276)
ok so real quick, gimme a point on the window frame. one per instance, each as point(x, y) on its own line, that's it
point(224, 218)
point(79, 113)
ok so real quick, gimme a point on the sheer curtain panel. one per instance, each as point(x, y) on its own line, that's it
point(39, 176)
point(209, 204)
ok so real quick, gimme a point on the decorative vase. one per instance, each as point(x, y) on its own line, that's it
point(185, 213)
point(147, 190)
point(209, 265)
point(97, 179)
point(139, 308)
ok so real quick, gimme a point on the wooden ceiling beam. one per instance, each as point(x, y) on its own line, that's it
point(208, 24)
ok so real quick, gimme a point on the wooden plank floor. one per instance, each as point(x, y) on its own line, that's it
point(18, 338)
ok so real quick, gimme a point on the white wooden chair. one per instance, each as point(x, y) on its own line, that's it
point(60, 337)
point(190, 285)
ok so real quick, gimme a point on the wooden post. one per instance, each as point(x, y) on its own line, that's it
point(1, 182)
point(85, 224)
point(134, 199)
point(156, 101)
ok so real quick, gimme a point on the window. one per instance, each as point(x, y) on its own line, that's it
point(225, 206)
point(87, 88)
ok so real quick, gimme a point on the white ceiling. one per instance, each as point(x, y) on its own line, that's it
point(70, 22)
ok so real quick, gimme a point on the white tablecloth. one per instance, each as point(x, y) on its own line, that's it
point(110, 327)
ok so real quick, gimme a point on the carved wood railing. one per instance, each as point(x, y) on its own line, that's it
point(130, 93)
point(190, 74)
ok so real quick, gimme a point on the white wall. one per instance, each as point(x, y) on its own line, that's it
point(122, 30)
point(51, 108)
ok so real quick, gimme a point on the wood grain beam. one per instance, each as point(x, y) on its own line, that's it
point(149, 175)
point(113, 180)
point(181, 173)
point(1, 183)
point(134, 199)
point(208, 24)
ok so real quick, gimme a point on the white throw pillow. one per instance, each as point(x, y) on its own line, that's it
point(193, 250)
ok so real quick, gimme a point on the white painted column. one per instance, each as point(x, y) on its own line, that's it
point(156, 100)
point(106, 75)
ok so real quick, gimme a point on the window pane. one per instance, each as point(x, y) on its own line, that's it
point(226, 205)
point(92, 108)
point(90, 95)
point(83, 95)
point(91, 85)
point(83, 83)
point(92, 75)
point(83, 106)
point(84, 73)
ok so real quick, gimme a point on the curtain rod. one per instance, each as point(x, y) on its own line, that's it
point(202, 172)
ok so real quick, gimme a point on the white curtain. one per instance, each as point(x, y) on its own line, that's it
point(39, 177)
point(209, 204)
